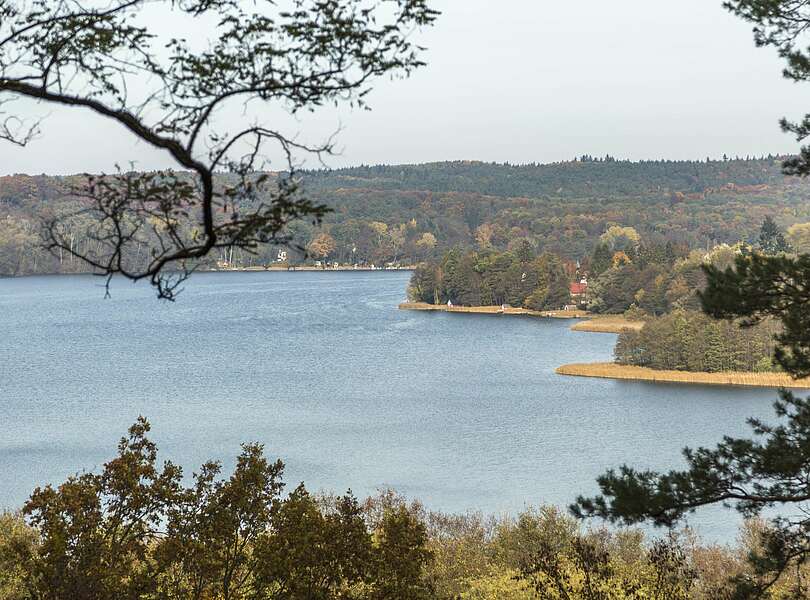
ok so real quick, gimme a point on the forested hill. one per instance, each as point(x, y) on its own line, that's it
point(409, 213)
point(574, 179)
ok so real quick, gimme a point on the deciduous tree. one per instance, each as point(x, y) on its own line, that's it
point(135, 531)
point(798, 236)
point(322, 246)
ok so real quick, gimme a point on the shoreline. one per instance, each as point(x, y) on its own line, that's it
point(590, 322)
point(727, 378)
point(495, 310)
point(256, 269)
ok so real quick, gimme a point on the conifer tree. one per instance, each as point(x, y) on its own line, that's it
point(772, 468)
point(771, 238)
point(601, 259)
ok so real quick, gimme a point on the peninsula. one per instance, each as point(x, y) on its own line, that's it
point(629, 372)
point(496, 310)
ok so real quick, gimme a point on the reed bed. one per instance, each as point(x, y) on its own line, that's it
point(610, 324)
point(614, 371)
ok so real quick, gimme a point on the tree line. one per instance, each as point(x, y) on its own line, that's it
point(520, 279)
point(138, 530)
point(686, 340)
point(580, 177)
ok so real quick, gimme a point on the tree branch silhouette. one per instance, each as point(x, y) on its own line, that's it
point(166, 92)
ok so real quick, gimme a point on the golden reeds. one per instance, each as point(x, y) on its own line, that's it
point(614, 371)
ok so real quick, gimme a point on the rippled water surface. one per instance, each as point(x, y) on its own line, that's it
point(464, 412)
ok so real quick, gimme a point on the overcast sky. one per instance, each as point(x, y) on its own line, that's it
point(527, 81)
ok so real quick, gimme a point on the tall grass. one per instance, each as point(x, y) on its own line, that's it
point(608, 324)
point(614, 371)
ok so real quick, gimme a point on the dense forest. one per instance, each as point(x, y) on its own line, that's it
point(691, 341)
point(412, 213)
point(493, 278)
point(624, 272)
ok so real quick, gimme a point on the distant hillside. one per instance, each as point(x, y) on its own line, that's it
point(575, 179)
point(409, 213)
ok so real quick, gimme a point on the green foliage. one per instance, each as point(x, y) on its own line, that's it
point(762, 286)
point(593, 569)
point(657, 279)
point(401, 555)
point(97, 529)
point(313, 551)
point(769, 470)
point(781, 24)
point(771, 238)
point(754, 475)
point(570, 180)
point(424, 285)
point(751, 474)
point(798, 237)
point(620, 239)
point(525, 251)
point(615, 290)
point(135, 531)
point(505, 585)
point(691, 341)
point(542, 553)
point(601, 260)
point(18, 545)
point(493, 278)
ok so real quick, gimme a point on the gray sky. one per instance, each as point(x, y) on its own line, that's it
point(524, 81)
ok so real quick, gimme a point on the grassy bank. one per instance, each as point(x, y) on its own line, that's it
point(614, 371)
point(495, 310)
point(607, 324)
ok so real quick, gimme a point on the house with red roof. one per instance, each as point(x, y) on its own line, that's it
point(578, 290)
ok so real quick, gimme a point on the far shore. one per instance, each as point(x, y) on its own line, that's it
point(282, 267)
point(615, 371)
point(254, 269)
point(496, 310)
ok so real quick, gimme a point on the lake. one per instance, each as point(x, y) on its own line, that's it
point(463, 412)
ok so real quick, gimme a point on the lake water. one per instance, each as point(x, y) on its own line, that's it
point(464, 412)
